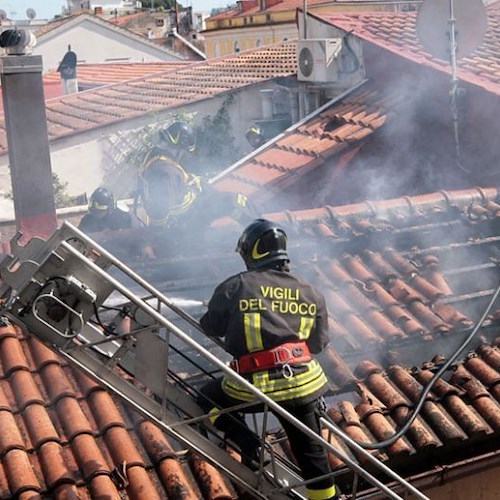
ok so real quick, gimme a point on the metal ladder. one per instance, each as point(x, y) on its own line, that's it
point(91, 309)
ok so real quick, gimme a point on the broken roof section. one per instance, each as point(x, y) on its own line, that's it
point(94, 110)
point(403, 279)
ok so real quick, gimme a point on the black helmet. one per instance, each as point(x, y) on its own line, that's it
point(101, 200)
point(179, 135)
point(262, 244)
point(255, 136)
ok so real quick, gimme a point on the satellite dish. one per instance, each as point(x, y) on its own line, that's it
point(3, 15)
point(306, 62)
point(433, 26)
point(31, 13)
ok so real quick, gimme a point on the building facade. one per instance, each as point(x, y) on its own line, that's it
point(256, 23)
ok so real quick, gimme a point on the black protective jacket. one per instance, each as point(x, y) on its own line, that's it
point(259, 309)
point(114, 219)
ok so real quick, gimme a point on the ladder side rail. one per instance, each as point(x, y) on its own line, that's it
point(104, 258)
point(67, 226)
point(227, 370)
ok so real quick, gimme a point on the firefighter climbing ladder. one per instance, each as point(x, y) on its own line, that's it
point(64, 289)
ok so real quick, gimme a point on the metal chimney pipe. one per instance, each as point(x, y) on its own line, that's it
point(27, 137)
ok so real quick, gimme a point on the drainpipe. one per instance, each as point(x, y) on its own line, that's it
point(27, 138)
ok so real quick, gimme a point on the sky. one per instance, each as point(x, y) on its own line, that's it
point(47, 9)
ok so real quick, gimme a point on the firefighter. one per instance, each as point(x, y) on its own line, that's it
point(170, 198)
point(165, 189)
point(271, 322)
point(255, 136)
point(103, 213)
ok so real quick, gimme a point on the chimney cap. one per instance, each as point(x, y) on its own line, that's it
point(17, 41)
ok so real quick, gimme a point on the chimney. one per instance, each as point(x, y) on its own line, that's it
point(27, 137)
point(270, 3)
point(246, 5)
point(67, 70)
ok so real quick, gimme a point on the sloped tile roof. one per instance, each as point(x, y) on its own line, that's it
point(278, 7)
point(404, 280)
point(463, 406)
point(108, 73)
point(86, 111)
point(54, 24)
point(286, 5)
point(330, 131)
point(397, 33)
point(401, 272)
point(399, 276)
point(64, 436)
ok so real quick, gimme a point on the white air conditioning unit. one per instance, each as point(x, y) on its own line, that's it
point(317, 59)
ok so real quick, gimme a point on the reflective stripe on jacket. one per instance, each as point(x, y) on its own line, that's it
point(260, 309)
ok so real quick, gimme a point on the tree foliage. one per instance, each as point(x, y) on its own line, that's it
point(215, 143)
point(61, 196)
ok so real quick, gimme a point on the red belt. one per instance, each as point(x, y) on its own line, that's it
point(282, 354)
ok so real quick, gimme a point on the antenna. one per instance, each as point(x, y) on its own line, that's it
point(30, 13)
point(450, 30)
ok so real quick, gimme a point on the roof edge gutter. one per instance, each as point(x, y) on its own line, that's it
point(396, 207)
point(442, 475)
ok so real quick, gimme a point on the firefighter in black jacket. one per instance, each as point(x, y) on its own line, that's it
point(165, 189)
point(271, 322)
point(103, 214)
point(170, 198)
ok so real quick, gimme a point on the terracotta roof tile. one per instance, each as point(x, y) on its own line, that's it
point(85, 111)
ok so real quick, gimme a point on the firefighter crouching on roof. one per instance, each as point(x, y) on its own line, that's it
point(169, 197)
point(103, 214)
point(271, 322)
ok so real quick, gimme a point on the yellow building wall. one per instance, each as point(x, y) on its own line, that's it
point(221, 35)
